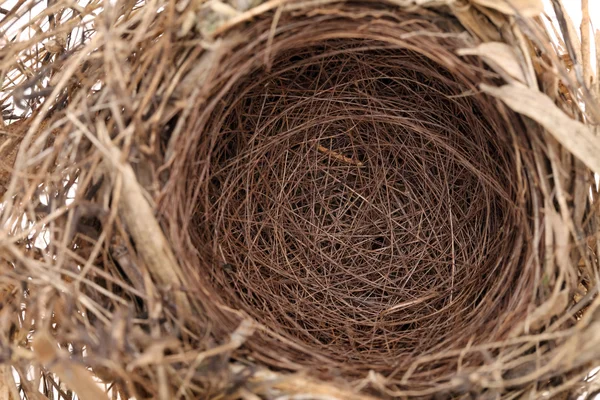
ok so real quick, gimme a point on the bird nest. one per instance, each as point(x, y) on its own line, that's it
point(324, 198)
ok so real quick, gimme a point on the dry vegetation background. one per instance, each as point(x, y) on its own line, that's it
point(299, 199)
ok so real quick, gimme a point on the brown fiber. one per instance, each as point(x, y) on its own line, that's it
point(353, 199)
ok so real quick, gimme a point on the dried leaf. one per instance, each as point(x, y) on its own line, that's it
point(573, 135)
point(497, 18)
point(76, 377)
point(525, 8)
point(568, 31)
point(500, 56)
point(476, 23)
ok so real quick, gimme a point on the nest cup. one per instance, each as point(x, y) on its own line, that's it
point(346, 185)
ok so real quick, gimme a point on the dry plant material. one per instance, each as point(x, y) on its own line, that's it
point(74, 376)
point(405, 223)
point(314, 199)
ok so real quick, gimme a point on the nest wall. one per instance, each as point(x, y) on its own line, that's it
point(348, 195)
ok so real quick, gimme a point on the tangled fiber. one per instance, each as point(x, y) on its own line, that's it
point(316, 199)
point(351, 199)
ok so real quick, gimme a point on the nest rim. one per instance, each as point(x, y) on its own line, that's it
point(262, 56)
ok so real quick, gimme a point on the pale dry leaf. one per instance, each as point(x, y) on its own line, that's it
point(569, 32)
point(495, 16)
point(573, 135)
point(525, 8)
point(476, 23)
point(75, 376)
point(500, 56)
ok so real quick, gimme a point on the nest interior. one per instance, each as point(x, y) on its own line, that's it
point(348, 189)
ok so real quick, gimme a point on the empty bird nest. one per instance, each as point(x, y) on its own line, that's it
point(316, 199)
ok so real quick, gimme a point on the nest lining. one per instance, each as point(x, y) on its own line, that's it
point(352, 193)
